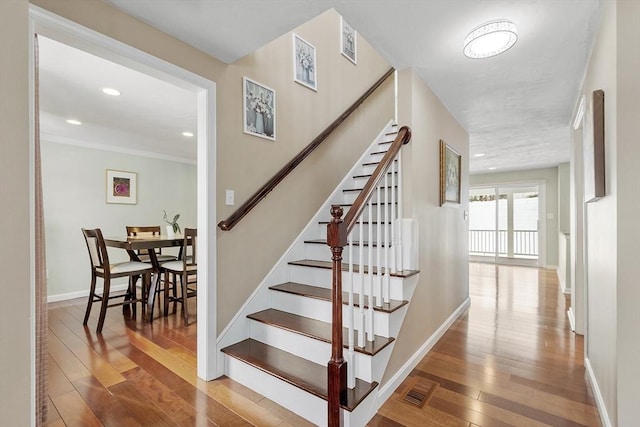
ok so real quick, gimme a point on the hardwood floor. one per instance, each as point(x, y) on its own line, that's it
point(510, 360)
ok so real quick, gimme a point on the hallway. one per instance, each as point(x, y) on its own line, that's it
point(510, 360)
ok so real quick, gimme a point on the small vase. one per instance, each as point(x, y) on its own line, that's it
point(170, 233)
point(259, 123)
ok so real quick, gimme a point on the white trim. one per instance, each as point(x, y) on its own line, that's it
point(604, 415)
point(80, 294)
point(387, 390)
point(76, 35)
point(57, 139)
point(577, 120)
point(32, 226)
point(572, 319)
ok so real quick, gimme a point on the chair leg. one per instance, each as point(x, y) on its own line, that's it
point(166, 293)
point(92, 291)
point(185, 310)
point(105, 303)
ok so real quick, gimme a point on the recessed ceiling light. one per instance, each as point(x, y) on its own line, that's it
point(74, 122)
point(479, 155)
point(490, 39)
point(492, 168)
point(111, 91)
point(187, 134)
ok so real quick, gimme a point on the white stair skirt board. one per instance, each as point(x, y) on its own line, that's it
point(308, 406)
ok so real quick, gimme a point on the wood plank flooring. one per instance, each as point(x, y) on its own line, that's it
point(509, 361)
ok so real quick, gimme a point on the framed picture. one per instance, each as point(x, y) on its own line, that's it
point(259, 109)
point(348, 41)
point(305, 71)
point(122, 187)
point(593, 150)
point(450, 169)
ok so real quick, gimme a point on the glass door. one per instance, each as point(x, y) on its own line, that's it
point(503, 224)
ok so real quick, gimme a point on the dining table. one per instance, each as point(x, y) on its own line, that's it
point(135, 244)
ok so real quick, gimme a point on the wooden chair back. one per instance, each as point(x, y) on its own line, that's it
point(98, 254)
point(144, 230)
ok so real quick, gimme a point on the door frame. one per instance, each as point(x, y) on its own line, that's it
point(68, 32)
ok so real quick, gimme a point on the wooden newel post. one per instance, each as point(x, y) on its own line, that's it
point(337, 367)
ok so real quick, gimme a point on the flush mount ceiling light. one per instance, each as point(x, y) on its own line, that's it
point(74, 122)
point(111, 91)
point(490, 39)
point(187, 134)
point(479, 155)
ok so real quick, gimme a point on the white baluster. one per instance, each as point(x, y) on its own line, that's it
point(361, 330)
point(378, 290)
point(399, 251)
point(394, 218)
point(351, 369)
point(370, 276)
point(387, 278)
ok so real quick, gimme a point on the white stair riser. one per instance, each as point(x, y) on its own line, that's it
point(307, 405)
point(350, 196)
point(317, 351)
point(322, 277)
point(368, 169)
point(383, 323)
point(321, 252)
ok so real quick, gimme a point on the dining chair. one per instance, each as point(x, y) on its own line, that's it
point(186, 270)
point(148, 230)
point(101, 267)
point(143, 255)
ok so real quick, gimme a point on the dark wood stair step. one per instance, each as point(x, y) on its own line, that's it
point(373, 163)
point(369, 175)
point(345, 267)
point(355, 243)
point(295, 370)
point(315, 329)
point(358, 222)
point(324, 294)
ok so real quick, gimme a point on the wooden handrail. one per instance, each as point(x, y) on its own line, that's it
point(337, 231)
point(246, 207)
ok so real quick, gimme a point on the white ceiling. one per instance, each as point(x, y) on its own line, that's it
point(516, 106)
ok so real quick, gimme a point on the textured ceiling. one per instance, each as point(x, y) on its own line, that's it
point(516, 106)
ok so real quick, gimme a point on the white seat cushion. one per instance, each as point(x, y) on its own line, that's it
point(125, 267)
point(176, 266)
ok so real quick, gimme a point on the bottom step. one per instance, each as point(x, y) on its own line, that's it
point(297, 371)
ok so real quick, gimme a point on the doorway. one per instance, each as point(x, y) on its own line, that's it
point(504, 224)
point(64, 31)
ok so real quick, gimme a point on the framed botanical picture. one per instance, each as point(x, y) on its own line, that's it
point(450, 174)
point(305, 70)
point(259, 109)
point(122, 187)
point(593, 148)
point(348, 41)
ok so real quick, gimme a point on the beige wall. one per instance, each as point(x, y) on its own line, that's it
point(601, 224)
point(628, 182)
point(612, 234)
point(246, 162)
point(443, 233)
point(550, 177)
point(15, 305)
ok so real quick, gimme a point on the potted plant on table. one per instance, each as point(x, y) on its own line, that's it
point(173, 226)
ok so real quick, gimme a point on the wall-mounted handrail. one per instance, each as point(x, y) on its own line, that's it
point(338, 237)
point(247, 206)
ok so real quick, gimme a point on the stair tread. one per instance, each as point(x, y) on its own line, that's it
point(373, 163)
point(369, 175)
point(357, 222)
point(348, 190)
point(315, 329)
point(345, 267)
point(355, 243)
point(325, 294)
point(295, 370)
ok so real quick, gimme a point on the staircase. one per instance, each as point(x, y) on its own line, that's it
point(279, 343)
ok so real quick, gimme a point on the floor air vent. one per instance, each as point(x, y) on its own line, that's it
point(419, 392)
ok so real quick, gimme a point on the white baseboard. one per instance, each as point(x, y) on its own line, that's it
point(80, 294)
point(387, 390)
point(604, 415)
